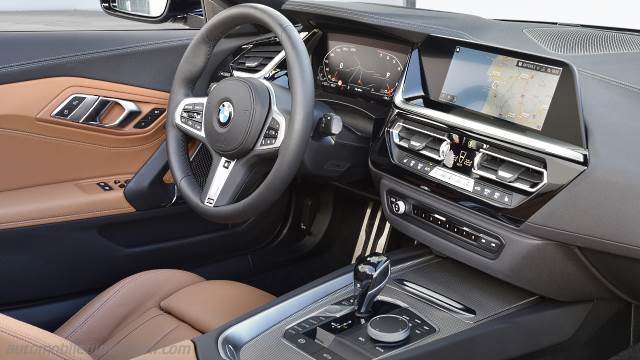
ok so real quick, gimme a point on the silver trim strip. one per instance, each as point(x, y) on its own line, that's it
point(493, 177)
point(489, 130)
point(89, 103)
point(234, 338)
point(435, 298)
point(219, 179)
point(395, 134)
point(128, 106)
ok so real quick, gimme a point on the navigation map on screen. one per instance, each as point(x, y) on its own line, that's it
point(512, 89)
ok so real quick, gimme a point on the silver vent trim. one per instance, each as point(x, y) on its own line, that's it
point(477, 171)
point(441, 152)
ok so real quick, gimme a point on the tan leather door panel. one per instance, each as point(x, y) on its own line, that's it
point(41, 154)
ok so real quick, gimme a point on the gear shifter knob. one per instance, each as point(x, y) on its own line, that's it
point(369, 277)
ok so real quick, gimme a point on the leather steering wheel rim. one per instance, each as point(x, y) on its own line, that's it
point(299, 123)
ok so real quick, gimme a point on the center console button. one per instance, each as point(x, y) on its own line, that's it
point(388, 328)
point(303, 342)
point(327, 354)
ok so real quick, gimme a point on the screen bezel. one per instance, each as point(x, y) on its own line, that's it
point(563, 121)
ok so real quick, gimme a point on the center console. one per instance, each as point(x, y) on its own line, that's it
point(378, 309)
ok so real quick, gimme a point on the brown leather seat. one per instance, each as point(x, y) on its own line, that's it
point(138, 315)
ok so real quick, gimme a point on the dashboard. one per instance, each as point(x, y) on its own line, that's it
point(485, 140)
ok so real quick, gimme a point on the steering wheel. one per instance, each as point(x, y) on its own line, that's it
point(245, 122)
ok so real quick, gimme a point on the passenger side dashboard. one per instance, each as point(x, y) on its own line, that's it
point(556, 155)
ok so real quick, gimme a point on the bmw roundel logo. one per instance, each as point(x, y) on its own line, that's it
point(225, 113)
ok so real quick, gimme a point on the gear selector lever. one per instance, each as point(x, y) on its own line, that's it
point(369, 277)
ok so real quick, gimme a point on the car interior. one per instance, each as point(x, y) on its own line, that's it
point(326, 180)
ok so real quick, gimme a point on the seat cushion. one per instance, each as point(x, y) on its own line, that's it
point(20, 340)
point(154, 309)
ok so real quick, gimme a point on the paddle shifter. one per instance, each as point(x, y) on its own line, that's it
point(369, 277)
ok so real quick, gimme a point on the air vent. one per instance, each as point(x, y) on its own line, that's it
point(511, 170)
point(420, 139)
point(257, 56)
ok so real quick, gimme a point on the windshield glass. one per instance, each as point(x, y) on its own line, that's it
point(612, 13)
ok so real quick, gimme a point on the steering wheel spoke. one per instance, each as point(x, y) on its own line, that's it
point(219, 174)
point(189, 117)
point(274, 130)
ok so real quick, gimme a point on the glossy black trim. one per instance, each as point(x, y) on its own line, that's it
point(563, 121)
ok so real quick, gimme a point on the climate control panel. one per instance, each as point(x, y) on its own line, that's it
point(460, 232)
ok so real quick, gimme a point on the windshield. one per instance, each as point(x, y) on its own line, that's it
point(612, 13)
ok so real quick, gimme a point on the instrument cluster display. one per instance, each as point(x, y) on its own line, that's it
point(362, 67)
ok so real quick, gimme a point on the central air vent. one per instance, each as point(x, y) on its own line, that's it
point(511, 170)
point(420, 139)
point(257, 56)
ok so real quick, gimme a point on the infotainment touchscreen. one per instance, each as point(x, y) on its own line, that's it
point(511, 89)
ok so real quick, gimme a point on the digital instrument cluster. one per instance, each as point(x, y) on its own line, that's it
point(362, 67)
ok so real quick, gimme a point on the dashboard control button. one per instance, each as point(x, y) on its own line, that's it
point(399, 207)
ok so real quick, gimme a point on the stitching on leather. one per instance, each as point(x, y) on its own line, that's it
point(92, 54)
point(368, 16)
point(28, 339)
point(129, 333)
point(107, 300)
point(57, 140)
point(62, 217)
point(112, 296)
point(612, 81)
